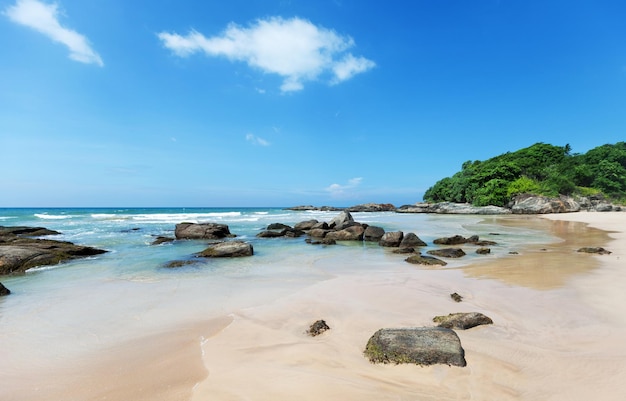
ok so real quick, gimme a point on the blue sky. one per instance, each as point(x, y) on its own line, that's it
point(288, 102)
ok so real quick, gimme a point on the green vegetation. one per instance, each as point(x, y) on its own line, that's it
point(540, 169)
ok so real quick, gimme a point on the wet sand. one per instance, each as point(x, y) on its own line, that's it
point(559, 325)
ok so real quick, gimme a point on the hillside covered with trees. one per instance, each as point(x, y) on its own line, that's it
point(540, 169)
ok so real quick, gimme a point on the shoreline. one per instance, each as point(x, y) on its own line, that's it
point(560, 342)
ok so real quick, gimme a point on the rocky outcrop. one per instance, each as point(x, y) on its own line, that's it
point(447, 252)
point(416, 345)
point(372, 207)
point(228, 249)
point(391, 239)
point(452, 208)
point(4, 290)
point(462, 321)
point(425, 260)
point(202, 231)
point(530, 204)
point(19, 252)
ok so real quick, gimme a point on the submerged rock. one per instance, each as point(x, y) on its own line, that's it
point(462, 321)
point(416, 345)
point(162, 240)
point(425, 260)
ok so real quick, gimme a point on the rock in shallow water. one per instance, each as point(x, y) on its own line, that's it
point(230, 249)
point(416, 345)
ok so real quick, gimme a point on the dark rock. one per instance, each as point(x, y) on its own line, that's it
point(456, 240)
point(229, 249)
point(598, 250)
point(484, 243)
point(292, 233)
point(425, 260)
point(162, 240)
point(343, 218)
point(305, 225)
point(373, 233)
point(270, 234)
point(411, 240)
point(416, 345)
point(321, 225)
point(462, 321)
point(391, 239)
point(202, 231)
point(318, 328)
point(447, 252)
point(278, 226)
point(483, 251)
point(26, 231)
point(4, 290)
point(456, 297)
point(352, 233)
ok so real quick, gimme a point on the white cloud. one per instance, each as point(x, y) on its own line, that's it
point(256, 140)
point(43, 18)
point(293, 48)
point(343, 191)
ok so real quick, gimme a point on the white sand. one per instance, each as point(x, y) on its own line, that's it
point(561, 341)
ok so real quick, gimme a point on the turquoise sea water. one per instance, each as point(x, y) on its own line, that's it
point(56, 313)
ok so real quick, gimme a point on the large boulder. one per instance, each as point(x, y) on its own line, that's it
point(373, 233)
point(318, 232)
point(391, 239)
point(411, 240)
point(352, 233)
point(202, 231)
point(341, 220)
point(416, 345)
point(228, 249)
point(462, 321)
point(530, 204)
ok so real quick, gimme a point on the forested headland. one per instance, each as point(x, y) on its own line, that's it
point(540, 169)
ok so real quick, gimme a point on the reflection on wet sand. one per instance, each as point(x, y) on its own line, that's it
point(546, 266)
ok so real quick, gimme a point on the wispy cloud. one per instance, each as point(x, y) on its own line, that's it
point(295, 49)
point(343, 191)
point(43, 18)
point(256, 140)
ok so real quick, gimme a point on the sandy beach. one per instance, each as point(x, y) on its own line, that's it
point(558, 334)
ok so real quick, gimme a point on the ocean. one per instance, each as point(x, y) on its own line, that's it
point(65, 312)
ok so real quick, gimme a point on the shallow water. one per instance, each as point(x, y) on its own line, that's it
point(62, 313)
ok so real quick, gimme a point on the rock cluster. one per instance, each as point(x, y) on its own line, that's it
point(20, 252)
